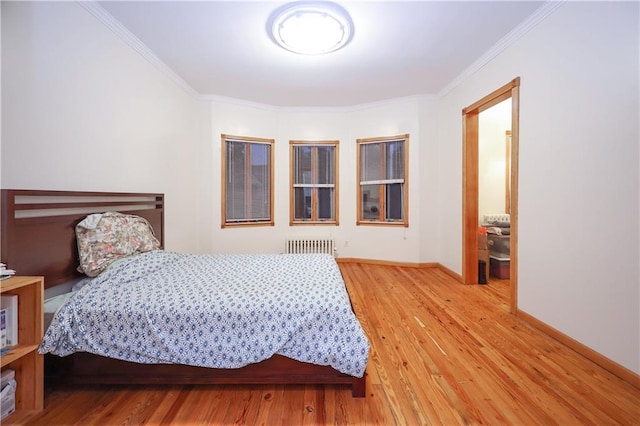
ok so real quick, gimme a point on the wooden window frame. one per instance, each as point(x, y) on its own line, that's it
point(381, 221)
point(249, 140)
point(314, 193)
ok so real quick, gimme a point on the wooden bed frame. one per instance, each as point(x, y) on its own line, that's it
point(38, 238)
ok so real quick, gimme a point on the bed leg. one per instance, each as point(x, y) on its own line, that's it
point(358, 387)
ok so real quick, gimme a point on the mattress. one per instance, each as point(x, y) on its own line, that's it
point(52, 305)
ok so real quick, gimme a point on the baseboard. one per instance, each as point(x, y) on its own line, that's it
point(386, 262)
point(443, 268)
point(451, 273)
point(599, 359)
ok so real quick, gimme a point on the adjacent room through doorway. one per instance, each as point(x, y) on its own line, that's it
point(505, 164)
point(494, 193)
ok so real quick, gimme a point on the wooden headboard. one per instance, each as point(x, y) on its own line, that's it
point(37, 234)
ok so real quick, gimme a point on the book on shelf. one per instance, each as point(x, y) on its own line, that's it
point(6, 273)
point(3, 328)
point(9, 302)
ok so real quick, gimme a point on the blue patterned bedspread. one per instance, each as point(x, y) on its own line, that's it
point(221, 311)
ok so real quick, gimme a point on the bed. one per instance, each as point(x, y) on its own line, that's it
point(38, 238)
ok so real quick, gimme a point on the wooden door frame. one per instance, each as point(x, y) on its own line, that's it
point(470, 185)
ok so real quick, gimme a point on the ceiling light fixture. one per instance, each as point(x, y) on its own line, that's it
point(311, 28)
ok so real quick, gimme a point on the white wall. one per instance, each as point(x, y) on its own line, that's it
point(82, 111)
point(346, 125)
point(578, 180)
point(1, 102)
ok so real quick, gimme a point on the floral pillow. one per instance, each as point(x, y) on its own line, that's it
point(104, 238)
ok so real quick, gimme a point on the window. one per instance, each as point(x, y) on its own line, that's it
point(247, 181)
point(314, 183)
point(382, 180)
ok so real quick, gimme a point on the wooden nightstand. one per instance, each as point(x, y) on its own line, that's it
point(24, 358)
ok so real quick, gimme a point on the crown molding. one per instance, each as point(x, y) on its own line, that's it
point(347, 108)
point(123, 33)
point(134, 42)
point(236, 101)
point(507, 41)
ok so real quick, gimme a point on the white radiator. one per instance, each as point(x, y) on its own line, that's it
point(311, 245)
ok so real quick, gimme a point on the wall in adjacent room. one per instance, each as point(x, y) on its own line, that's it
point(492, 159)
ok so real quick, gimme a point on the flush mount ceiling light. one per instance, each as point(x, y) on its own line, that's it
point(311, 28)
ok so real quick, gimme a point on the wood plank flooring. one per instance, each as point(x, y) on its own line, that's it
point(441, 353)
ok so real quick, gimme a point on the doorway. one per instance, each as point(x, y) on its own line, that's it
point(470, 182)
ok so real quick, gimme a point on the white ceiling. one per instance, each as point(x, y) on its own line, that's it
point(399, 49)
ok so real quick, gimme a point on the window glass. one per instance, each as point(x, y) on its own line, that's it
point(371, 161)
point(370, 202)
point(326, 168)
point(303, 164)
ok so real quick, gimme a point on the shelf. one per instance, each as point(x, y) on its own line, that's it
point(16, 353)
point(24, 358)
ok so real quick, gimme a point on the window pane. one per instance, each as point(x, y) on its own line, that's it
point(235, 200)
point(302, 164)
point(302, 203)
point(394, 201)
point(370, 162)
point(326, 203)
point(395, 160)
point(259, 182)
point(370, 201)
point(325, 165)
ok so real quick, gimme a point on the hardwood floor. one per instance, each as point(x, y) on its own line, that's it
point(442, 353)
